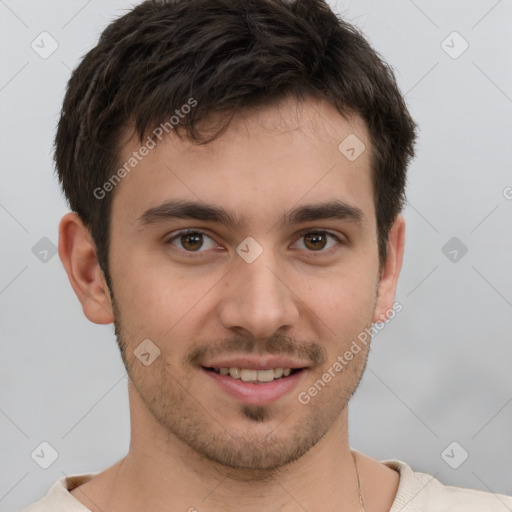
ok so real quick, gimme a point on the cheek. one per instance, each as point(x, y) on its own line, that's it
point(344, 315)
point(158, 302)
point(346, 294)
point(344, 306)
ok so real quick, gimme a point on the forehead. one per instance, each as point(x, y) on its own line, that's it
point(267, 161)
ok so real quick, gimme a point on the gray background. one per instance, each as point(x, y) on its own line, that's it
point(438, 373)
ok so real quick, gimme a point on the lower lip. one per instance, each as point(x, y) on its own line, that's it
point(257, 394)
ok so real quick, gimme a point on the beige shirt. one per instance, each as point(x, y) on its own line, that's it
point(417, 492)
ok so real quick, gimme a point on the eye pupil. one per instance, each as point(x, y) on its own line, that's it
point(193, 241)
point(314, 238)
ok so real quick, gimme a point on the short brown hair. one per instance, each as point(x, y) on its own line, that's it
point(228, 55)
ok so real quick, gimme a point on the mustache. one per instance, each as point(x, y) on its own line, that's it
point(276, 345)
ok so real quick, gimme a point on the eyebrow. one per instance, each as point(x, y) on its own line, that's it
point(174, 209)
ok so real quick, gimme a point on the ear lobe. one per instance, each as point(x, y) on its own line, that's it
point(390, 270)
point(77, 252)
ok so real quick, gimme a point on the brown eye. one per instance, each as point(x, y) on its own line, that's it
point(318, 241)
point(315, 241)
point(192, 241)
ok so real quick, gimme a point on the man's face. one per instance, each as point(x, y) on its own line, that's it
point(303, 299)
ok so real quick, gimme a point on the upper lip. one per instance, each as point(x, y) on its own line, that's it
point(255, 363)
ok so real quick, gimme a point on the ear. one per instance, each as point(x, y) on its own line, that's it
point(77, 252)
point(390, 270)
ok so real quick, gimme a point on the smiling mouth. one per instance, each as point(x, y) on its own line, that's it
point(255, 376)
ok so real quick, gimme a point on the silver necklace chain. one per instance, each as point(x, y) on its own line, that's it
point(361, 501)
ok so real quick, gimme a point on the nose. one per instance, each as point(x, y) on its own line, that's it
point(258, 298)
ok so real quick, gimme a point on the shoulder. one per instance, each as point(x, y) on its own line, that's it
point(420, 492)
point(59, 499)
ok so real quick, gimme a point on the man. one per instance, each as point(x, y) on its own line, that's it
point(236, 171)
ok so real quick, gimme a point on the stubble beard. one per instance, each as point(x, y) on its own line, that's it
point(239, 453)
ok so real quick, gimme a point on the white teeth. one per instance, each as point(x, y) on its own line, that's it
point(265, 375)
point(234, 372)
point(249, 375)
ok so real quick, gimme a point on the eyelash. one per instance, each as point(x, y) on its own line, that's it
point(197, 254)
